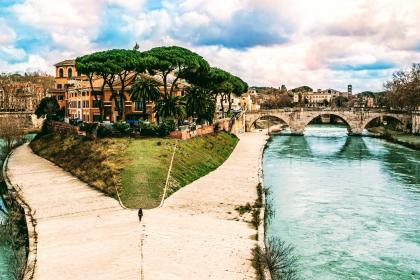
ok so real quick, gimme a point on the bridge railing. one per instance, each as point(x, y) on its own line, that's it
point(353, 109)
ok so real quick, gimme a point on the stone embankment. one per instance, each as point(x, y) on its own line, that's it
point(196, 234)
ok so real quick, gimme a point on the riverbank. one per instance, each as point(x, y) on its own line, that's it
point(17, 234)
point(405, 139)
point(137, 168)
point(196, 234)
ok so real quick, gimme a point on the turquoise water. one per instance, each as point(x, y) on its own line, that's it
point(349, 205)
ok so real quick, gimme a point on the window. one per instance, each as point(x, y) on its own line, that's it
point(138, 106)
point(59, 86)
point(78, 104)
point(96, 103)
point(61, 73)
point(60, 97)
point(70, 73)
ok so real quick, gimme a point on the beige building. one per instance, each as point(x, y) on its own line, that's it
point(20, 96)
point(319, 98)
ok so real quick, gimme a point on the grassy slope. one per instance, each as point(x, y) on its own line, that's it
point(97, 163)
point(138, 167)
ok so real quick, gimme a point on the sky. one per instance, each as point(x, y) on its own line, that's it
point(323, 43)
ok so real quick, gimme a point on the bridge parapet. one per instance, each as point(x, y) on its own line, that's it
point(298, 118)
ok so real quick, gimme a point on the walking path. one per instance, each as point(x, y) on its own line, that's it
point(197, 234)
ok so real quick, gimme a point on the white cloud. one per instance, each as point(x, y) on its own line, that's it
point(320, 34)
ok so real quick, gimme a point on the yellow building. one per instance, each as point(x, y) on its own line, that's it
point(74, 93)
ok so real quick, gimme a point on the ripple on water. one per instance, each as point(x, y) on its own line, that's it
point(349, 205)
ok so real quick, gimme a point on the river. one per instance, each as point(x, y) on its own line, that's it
point(5, 251)
point(349, 205)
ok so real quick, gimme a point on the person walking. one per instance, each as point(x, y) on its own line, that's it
point(140, 214)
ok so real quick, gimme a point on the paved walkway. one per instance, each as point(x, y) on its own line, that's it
point(197, 234)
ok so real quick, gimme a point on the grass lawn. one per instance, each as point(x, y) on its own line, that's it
point(137, 167)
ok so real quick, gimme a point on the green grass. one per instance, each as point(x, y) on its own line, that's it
point(143, 179)
point(97, 163)
point(137, 167)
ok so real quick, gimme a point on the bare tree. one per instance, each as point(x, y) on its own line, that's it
point(12, 130)
point(403, 91)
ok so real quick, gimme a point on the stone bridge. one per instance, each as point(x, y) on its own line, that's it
point(298, 118)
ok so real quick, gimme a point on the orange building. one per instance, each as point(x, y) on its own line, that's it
point(74, 93)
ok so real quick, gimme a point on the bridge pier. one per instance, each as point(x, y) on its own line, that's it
point(298, 131)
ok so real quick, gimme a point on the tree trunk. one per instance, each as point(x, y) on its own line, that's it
point(122, 102)
point(221, 105)
point(230, 103)
point(144, 108)
point(165, 90)
point(173, 86)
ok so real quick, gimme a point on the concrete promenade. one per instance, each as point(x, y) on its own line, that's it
point(197, 234)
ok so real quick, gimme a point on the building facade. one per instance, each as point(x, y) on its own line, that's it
point(74, 93)
point(320, 98)
point(20, 96)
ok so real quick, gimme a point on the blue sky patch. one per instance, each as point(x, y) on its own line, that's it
point(378, 65)
point(112, 33)
point(246, 29)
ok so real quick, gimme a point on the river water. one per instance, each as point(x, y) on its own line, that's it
point(349, 205)
point(5, 251)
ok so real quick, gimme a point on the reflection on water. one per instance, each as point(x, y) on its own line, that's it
point(350, 205)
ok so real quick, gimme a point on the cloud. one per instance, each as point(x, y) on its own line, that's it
point(325, 43)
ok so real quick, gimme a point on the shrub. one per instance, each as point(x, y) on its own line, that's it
point(166, 127)
point(75, 122)
point(279, 258)
point(88, 127)
point(46, 127)
point(103, 131)
point(148, 129)
point(122, 127)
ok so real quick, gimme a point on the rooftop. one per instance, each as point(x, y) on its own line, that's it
point(68, 62)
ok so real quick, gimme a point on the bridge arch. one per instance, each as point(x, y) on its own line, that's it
point(274, 116)
point(335, 114)
point(399, 119)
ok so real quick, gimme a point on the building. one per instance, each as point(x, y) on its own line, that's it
point(235, 104)
point(74, 94)
point(20, 96)
point(247, 102)
point(320, 98)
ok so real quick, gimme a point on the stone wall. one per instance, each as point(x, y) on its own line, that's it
point(187, 134)
point(415, 120)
